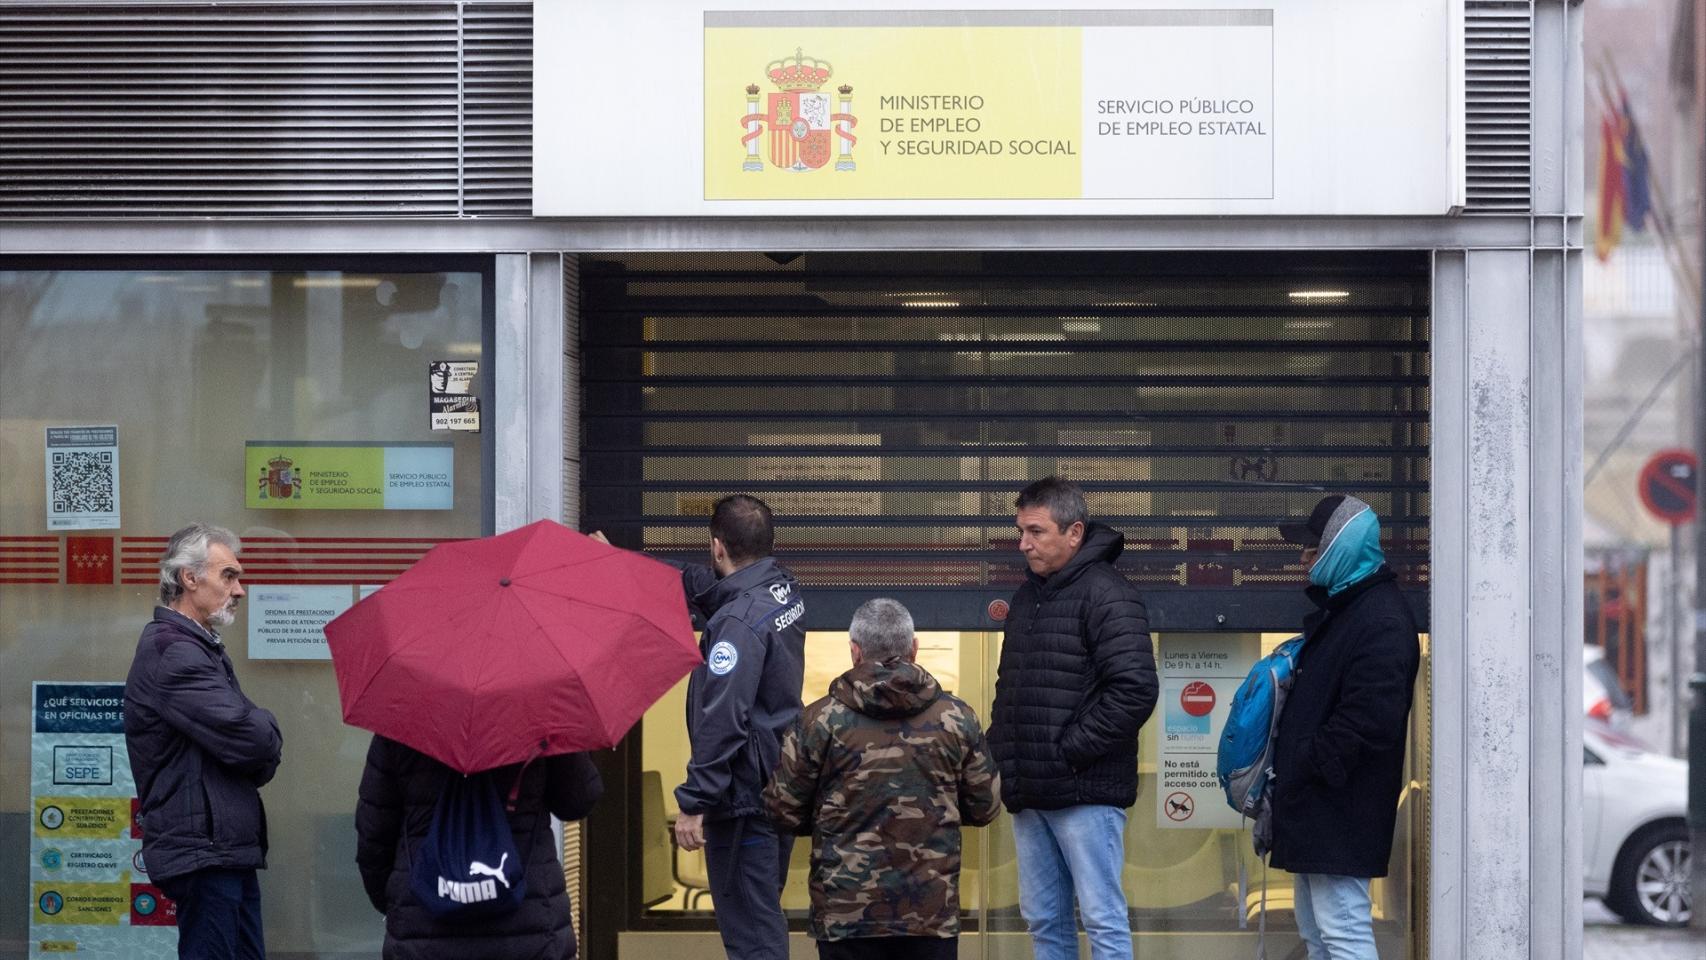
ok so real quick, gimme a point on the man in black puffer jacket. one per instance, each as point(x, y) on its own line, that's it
point(1076, 682)
point(398, 791)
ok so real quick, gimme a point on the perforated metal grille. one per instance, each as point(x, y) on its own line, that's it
point(889, 407)
point(497, 109)
point(274, 110)
point(1499, 48)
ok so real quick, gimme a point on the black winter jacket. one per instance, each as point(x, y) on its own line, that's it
point(398, 791)
point(746, 694)
point(1076, 682)
point(1339, 750)
point(199, 750)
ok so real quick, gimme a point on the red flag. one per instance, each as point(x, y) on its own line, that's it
point(89, 560)
point(1613, 197)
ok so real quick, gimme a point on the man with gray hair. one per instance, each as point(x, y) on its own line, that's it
point(882, 773)
point(200, 751)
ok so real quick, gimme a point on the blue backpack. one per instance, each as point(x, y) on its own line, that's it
point(467, 868)
point(1245, 766)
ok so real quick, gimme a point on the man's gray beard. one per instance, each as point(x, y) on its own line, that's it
point(223, 617)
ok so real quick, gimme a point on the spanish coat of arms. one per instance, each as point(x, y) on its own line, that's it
point(280, 480)
point(807, 127)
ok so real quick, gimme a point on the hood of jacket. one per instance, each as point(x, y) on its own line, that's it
point(887, 689)
point(1101, 543)
point(1352, 551)
point(754, 574)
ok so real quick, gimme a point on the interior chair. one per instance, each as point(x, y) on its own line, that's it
point(685, 868)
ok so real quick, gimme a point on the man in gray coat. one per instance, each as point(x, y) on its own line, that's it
point(200, 751)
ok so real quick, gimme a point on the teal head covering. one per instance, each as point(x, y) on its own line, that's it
point(1350, 548)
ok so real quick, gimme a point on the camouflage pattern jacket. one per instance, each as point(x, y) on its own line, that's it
point(881, 774)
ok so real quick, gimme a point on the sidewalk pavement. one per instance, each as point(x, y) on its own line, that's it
point(1604, 937)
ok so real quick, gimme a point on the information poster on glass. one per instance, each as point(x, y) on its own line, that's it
point(289, 622)
point(89, 889)
point(1199, 675)
point(82, 478)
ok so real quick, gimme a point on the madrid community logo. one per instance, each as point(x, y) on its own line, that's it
point(808, 127)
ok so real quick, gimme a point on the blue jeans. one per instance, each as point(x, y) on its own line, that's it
point(1333, 916)
point(219, 914)
point(747, 863)
point(1078, 850)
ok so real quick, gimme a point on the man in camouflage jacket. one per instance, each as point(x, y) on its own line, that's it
point(881, 774)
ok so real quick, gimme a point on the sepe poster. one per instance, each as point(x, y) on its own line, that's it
point(1199, 675)
point(89, 889)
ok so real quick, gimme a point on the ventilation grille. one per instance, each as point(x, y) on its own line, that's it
point(277, 110)
point(1499, 35)
point(497, 106)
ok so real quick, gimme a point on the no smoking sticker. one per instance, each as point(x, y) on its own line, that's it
point(1197, 699)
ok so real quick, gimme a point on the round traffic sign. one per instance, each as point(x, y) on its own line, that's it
point(1668, 486)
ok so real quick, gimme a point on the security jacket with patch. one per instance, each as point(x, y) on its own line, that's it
point(882, 773)
point(199, 751)
point(1075, 683)
point(747, 692)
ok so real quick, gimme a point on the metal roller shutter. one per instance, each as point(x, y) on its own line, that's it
point(889, 407)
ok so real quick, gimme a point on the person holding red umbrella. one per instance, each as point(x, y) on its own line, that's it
point(399, 790)
point(487, 670)
point(740, 702)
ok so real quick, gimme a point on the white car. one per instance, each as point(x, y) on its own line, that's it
point(1603, 697)
point(1635, 846)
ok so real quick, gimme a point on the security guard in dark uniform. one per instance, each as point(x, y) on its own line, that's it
point(740, 702)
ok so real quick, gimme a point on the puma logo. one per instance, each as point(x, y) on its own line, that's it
point(476, 868)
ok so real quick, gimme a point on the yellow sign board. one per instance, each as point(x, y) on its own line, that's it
point(878, 113)
point(82, 904)
point(83, 818)
point(681, 108)
point(349, 476)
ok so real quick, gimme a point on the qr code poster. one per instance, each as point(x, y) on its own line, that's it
point(82, 478)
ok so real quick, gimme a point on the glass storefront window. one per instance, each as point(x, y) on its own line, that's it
point(192, 364)
point(1193, 893)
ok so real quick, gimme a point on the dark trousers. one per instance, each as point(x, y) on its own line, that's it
point(890, 948)
point(748, 863)
point(219, 914)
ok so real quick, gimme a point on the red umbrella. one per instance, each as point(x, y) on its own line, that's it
point(485, 650)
